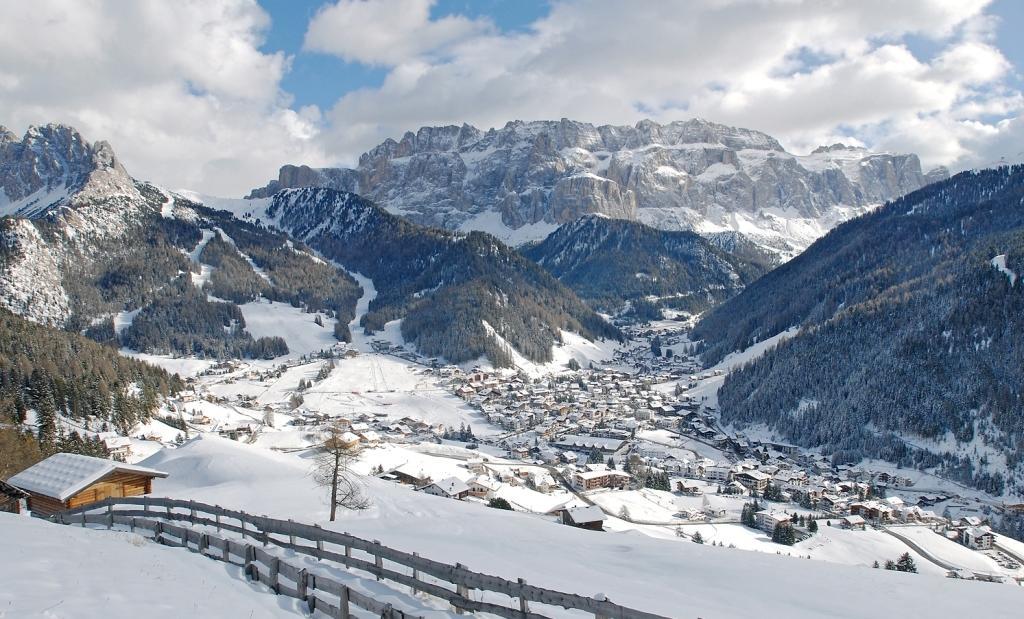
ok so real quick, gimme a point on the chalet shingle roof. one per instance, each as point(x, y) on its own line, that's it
point(63, 475)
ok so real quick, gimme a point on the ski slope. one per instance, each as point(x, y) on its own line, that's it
point(667, 577)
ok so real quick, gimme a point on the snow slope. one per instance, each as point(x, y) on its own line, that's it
point(268, 318)
point(630, 568)
point(55, 571)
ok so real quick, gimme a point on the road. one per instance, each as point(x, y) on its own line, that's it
point(921, 551)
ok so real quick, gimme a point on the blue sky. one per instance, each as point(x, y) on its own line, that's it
point(321, 79)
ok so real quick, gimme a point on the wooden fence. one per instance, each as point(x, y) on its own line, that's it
point(452, 583)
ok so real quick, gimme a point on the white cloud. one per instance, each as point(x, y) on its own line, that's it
point(188, 98)
point(180, 88)
point(805, 71)
point(386, 32)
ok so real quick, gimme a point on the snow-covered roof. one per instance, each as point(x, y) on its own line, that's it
point(452, 486)
point(590, 513)
point(600, 474)
point(63, 475)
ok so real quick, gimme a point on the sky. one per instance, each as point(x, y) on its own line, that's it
point(216, 95)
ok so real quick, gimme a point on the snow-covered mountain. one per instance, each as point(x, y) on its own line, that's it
point(52, 164)
point(609, 261)
point(521, 181)
point(61, 198)
point(911, 336)
point(85, 247)
point(459, 296)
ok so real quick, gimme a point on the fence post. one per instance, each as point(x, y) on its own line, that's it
point(600, 597)
point(145, 505)
point(204, 541)
point(192, 512)
point(242, 520)
point(158, 530)
point(291, 531)
point(319, 544)
point(226, 551)
point(132, 525)
point(415, 572)
point(110, 515)
point(348, 549)
point(343, 603)
point(377, 559)
point(302, 584)
point(250, 562)
point(275, 571)
point(311, 599)
point(387, 612)
point(217, 516)
point(460, 589)
point(524, 605)
point(83, 518)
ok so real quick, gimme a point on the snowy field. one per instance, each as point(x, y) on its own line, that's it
point(268, 319)
point(54, 571)
point(949, 551)
point(720, 582)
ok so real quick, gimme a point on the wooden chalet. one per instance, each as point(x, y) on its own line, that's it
point(65, 481)
point(11, 497)
point(585, 517)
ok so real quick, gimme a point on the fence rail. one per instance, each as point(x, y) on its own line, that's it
point(151, 513)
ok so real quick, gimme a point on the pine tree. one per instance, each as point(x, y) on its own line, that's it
point(697, 538)
point(784, 534)
point(906, 563)
point(813, 526)
point(46, 422)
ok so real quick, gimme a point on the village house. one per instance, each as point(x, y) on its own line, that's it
point(755, 481)
point(119, 447)
point(592, 480)
point(450, 488)
point(720, 473)
point(978, 538)
point(767, 520)
point(688, 487)
point(873, 511)
point(65, 481)
point(854, 523)
point(483, 487)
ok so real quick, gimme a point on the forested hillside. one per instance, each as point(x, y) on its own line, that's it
point(611, 261)
point(443, 285)
point(180, 268)
point(912, 334)
point(52, 372)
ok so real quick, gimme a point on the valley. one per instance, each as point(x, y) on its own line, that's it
point(597, 383)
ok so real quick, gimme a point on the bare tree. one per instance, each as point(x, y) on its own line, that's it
point(332, 469)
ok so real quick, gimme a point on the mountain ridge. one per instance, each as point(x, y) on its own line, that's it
point(685, 175)
point(909, 346)
point(612, 261)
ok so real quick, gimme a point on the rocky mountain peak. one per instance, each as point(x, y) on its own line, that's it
point(520, 180)
point(54, 164)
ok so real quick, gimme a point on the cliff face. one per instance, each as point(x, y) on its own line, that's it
point(693, 175)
